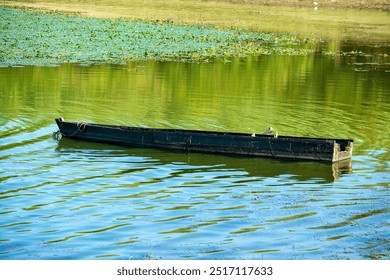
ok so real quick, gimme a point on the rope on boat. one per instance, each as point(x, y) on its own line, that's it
point(80, 129)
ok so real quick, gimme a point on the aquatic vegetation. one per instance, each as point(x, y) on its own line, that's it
point(29, 37)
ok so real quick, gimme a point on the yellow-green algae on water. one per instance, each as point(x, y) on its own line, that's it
point(35, 38)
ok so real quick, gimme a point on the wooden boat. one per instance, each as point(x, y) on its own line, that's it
point(244, 144)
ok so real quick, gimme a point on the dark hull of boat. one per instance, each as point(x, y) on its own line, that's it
point(282, 147)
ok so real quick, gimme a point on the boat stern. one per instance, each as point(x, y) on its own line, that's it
point(342, 150)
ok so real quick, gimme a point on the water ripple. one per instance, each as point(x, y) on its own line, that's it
point(353, 218)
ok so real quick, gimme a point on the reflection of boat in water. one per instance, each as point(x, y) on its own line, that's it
point(255, 145)
point(256, 167)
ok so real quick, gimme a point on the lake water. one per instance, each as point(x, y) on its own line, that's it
point(76, 200)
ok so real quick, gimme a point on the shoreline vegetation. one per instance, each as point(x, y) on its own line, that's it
point(362, 20)
point(52, 32)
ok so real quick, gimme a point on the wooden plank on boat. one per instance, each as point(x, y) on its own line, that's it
point(281, 147)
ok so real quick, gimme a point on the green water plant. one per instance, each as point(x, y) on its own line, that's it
point(29, 37)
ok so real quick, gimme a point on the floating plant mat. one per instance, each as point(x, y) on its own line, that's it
point(30, 37)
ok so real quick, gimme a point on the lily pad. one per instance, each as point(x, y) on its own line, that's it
point(31, 37)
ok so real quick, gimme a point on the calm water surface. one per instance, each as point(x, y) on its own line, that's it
point(77, 200)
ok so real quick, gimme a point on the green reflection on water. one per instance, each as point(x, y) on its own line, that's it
point(305, 96)
point(102, 229)
point(293, 217)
